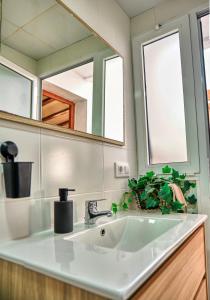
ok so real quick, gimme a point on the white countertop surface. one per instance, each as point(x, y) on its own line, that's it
point(108, 272)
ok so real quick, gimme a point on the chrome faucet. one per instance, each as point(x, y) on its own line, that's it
point(92, 213)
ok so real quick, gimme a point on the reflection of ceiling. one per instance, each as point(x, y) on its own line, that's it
point(38, 28)
point(78, 80)
point(48, 86)
point(135, 7)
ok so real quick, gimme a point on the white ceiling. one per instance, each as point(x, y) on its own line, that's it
point(135, 7)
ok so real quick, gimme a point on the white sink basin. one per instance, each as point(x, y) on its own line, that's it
point(127, 234)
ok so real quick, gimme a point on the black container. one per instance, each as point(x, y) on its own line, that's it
point(17, 178)
point(63, 216)
point(63, 212)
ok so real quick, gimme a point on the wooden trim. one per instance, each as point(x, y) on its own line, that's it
point(19, 283)
point(58, 113)
point(22, 120)
point(46, 101)
point(56, 97)
point(71, 115)
point(202, 291)
point(63, 123)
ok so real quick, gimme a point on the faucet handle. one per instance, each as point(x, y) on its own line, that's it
point(94, 201)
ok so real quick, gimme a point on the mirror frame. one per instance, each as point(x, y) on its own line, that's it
point(35, 123)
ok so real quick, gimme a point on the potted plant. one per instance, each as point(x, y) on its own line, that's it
point(152, 191)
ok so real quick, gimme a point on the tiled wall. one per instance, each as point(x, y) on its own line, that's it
point(59, 160)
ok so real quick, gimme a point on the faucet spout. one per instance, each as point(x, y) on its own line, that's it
point(92, 213)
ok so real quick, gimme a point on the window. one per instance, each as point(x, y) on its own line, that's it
point(164, 100)
point(113, 98)
point(164, 93)
point(16, 92)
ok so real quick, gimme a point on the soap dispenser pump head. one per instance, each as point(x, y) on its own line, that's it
point(63, 193)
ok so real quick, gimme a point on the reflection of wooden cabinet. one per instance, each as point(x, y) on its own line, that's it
point(181, 277)
point(57, 110)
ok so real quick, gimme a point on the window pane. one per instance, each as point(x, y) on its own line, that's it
point(15, 92)
point(165, 101)
point(114, 99)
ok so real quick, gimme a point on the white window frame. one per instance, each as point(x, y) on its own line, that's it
point(181, 25)
point(35, 97)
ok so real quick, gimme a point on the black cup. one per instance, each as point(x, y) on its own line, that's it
point(17, 178)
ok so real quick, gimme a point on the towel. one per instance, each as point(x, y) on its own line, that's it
point(177, 194)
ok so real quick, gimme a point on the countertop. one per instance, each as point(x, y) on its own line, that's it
point(108, 272)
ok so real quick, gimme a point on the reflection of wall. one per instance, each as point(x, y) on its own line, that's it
point(29, 64)
point(81, 116)
point(70, 56)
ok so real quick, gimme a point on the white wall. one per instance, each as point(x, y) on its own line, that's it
point(145, 22)
point(62, 160)
point(162, 13)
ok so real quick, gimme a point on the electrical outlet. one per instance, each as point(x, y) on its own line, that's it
point(121, 169)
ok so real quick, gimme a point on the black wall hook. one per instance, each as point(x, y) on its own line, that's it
point(9, 151)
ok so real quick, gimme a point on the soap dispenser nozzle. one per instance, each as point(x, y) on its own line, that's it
point(63, 193)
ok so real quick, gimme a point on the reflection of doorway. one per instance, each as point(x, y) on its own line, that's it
point(57, 110)
point(204, 21)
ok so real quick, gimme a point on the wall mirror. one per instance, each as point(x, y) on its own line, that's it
point(55, 70)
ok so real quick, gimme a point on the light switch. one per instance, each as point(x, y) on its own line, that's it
point(121, 169)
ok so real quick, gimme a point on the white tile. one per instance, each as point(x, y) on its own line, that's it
point(28, 142)
point(22, 11)
point(112, 155)
point(14, 217)
point(20, 218)
point(70, 163)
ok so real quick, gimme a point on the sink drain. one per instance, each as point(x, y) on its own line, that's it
point(102, 232)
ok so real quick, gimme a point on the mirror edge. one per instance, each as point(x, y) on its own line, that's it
point(30, 122)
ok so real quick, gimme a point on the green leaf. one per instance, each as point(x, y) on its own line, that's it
point(176, 206)
point(166, 170)
point(130, 200)
point(125, 205)
point(150, 174)
point(143, 196)
point(187, 186)
point(149, 190)
point(193, 184)
point(182, 176)
point(132, 183)
point(114, 208)
point(175, 174)
point(165, 193)
point(151, 203)
point(165, 210)
point(191, 199)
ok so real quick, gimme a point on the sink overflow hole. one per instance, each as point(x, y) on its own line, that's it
point(102, 232)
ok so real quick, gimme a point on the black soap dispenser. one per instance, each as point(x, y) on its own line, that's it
point(63, 212)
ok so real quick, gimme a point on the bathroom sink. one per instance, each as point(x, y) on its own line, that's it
point(127, 234)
